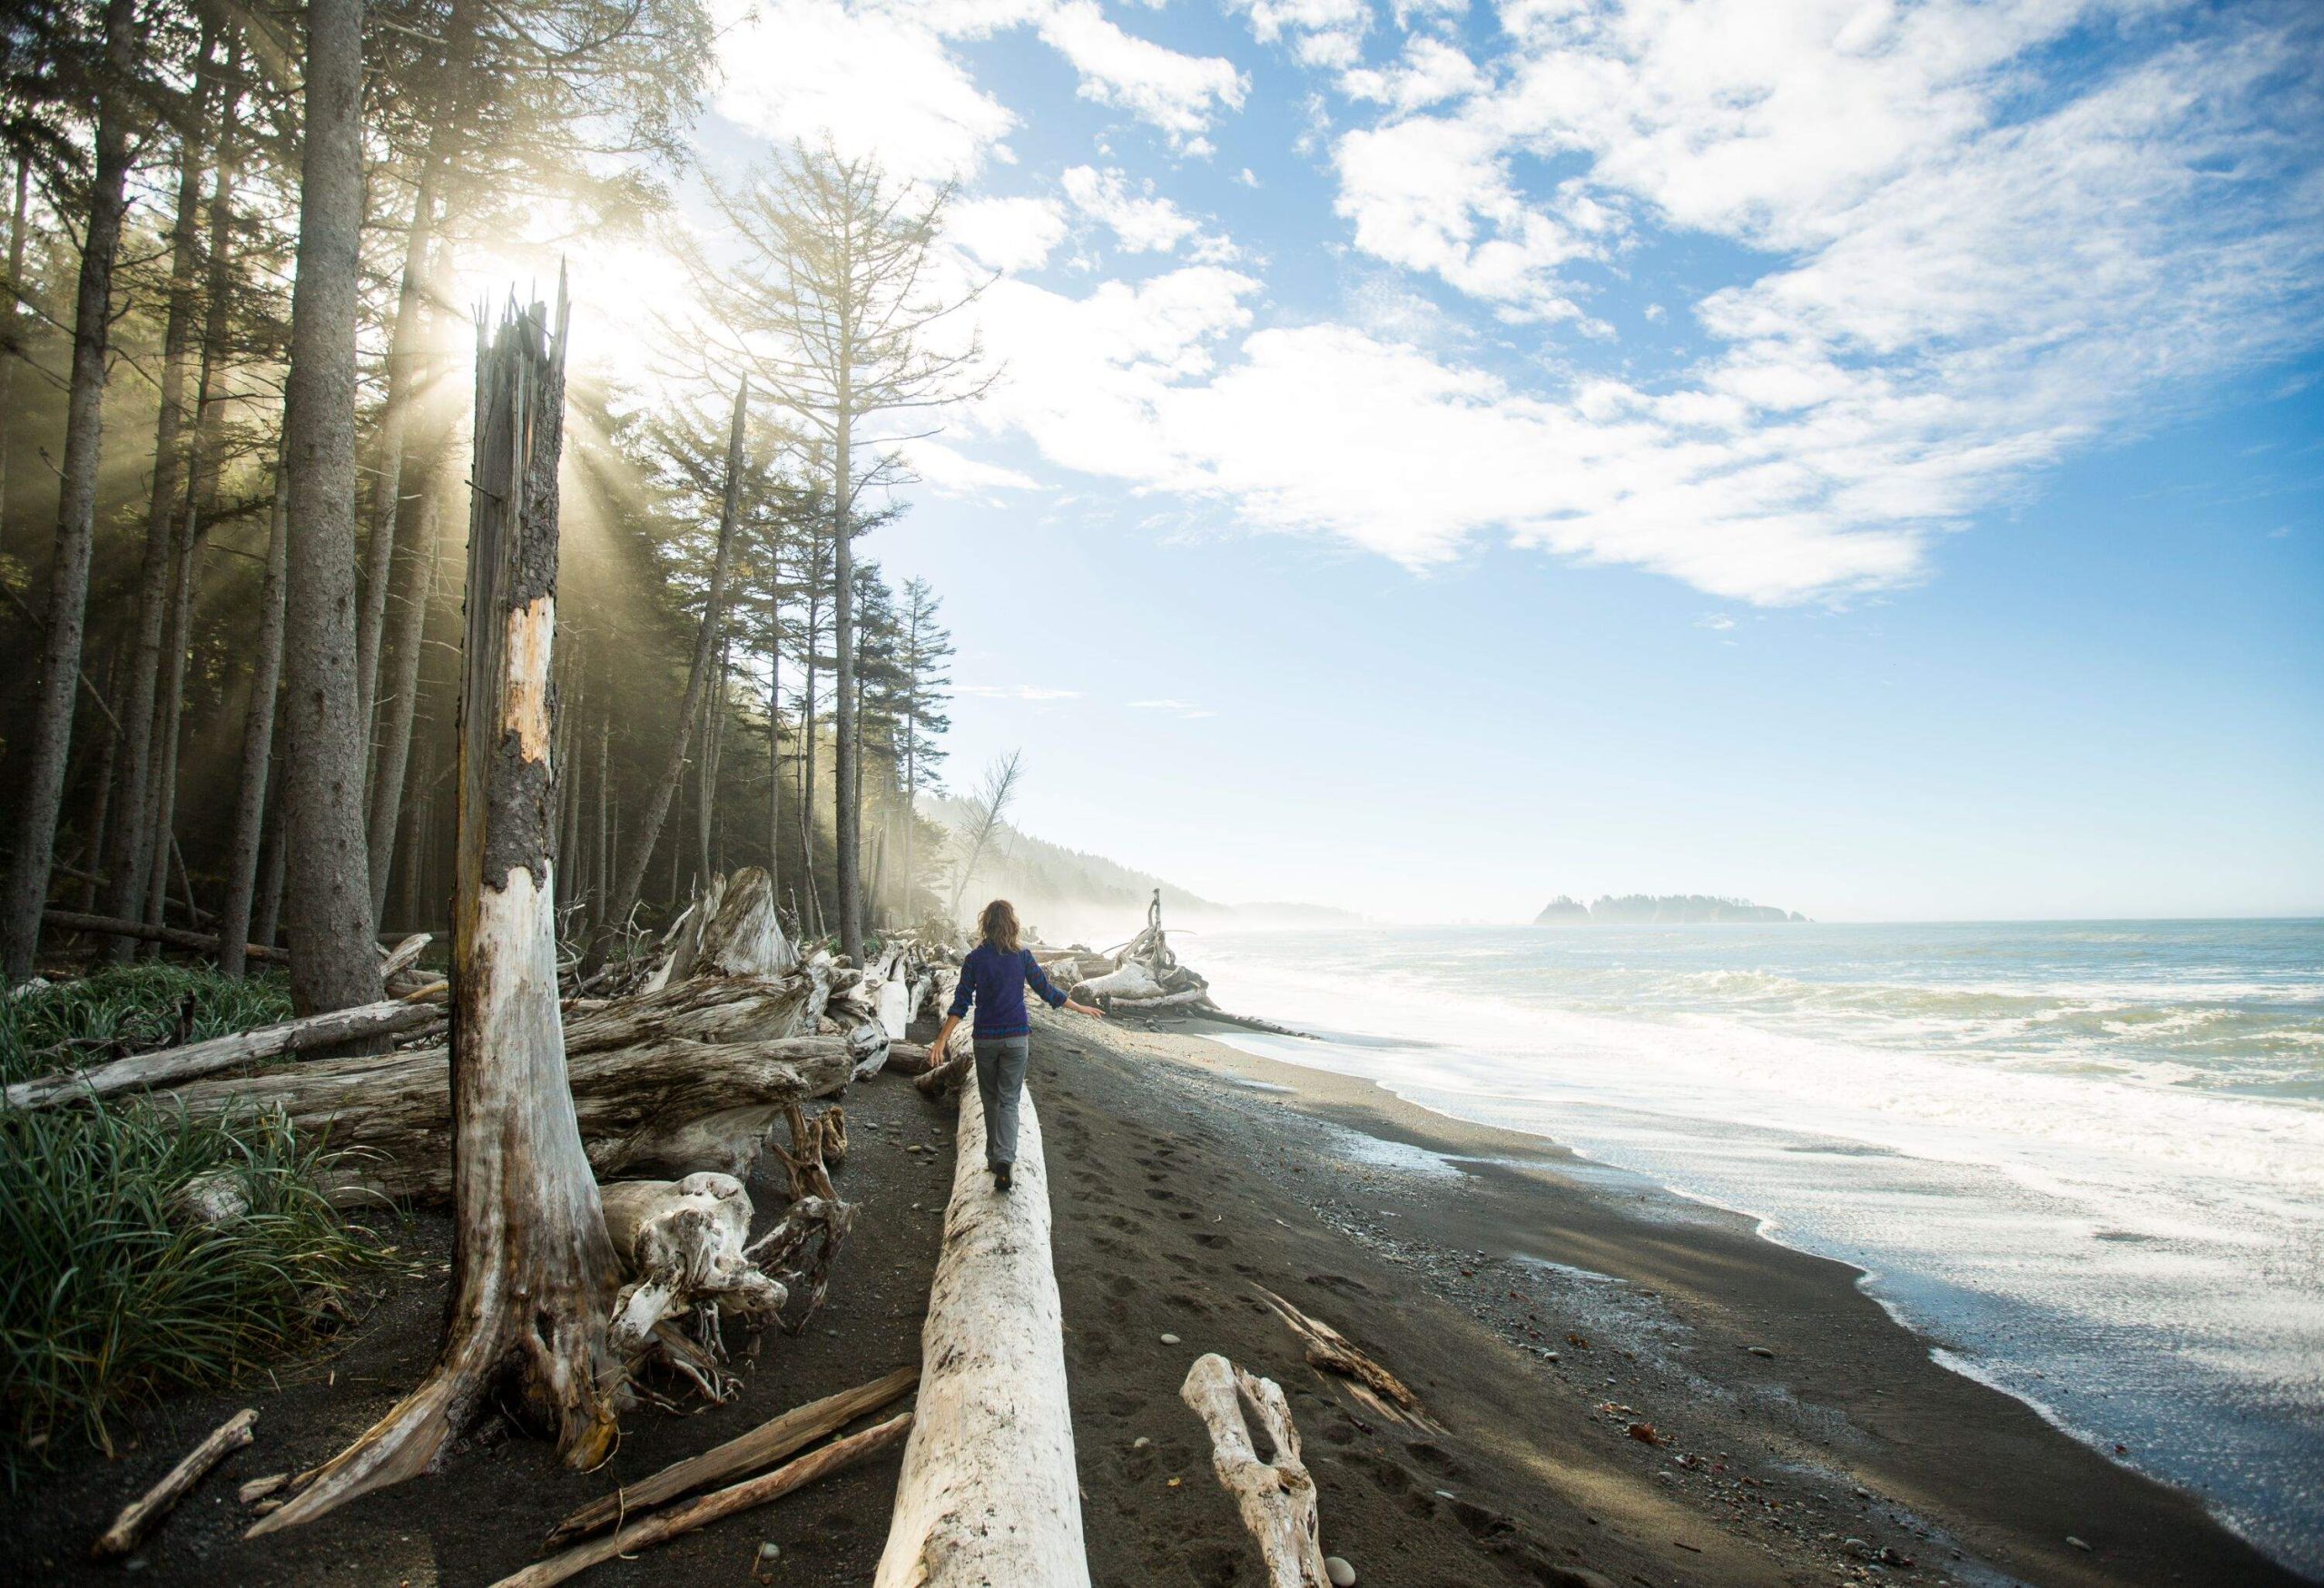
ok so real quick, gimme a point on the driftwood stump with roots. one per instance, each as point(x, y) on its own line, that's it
point(1275, 1491)
point(534, 1271)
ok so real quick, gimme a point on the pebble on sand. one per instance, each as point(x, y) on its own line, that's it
point(2075, 1541)
point(1140, 1442)
point(1169, 1339)
point(1760, 1351)
point(1342, 1574)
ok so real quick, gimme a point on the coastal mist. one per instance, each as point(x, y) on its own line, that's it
point(2085, 1160)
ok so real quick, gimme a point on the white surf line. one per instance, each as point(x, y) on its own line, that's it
point(989, 1493)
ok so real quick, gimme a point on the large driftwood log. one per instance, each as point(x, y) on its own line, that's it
point(138, 1517)
point(763, 1447)
point(721, 1503)
point(989, 1493)
point(1275, 1496)
point(665, 1105)
point(170, 1065)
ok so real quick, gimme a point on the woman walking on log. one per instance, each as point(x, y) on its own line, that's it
point(994, 978)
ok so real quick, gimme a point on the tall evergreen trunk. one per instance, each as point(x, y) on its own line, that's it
point(42, 792)
point(267, 928)
point(774, 751)
point(657, 807)
point(601, 873)
point(334, 956)
point(108, 754)
point(258, 752)
point(409, 365)
point(148, 787)
point(16, 214)
point(400, 705)
point(162, 793)
point(846, 824)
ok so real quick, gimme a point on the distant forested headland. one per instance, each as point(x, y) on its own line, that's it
point(1662, 909)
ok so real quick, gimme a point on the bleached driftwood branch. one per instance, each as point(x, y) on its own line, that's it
point(1275, 1496)
point(138, 1517)
point(665, 1526)
point(763, 1447)
point(989, 1493)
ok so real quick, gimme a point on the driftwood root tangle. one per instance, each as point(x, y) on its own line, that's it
point(139, 1517)
point(1276, 1497)
point(989, 1493)
point(681, 1242)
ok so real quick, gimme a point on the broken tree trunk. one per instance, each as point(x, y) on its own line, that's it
point(1276, 1497)
point(137, 1518)
point(763, 1447)
point(989, 1493)
point(143, 1070)
point(534, 1270)
point(672, 1104)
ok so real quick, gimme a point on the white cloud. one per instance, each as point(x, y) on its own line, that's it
point(1326, 34)
point(1006, 234)
point(1141, 220)
point(879, 77)
point(1429, 72)
point(1178, 708)
point(1177, 93)
point(953, 473)
point(875, 82)
point(1016, 692)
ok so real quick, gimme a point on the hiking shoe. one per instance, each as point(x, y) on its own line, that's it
point(1002, 1178)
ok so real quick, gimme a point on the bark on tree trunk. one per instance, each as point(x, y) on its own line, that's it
point(258, 751)
point(402, 704)
point(846, 826)
point(534, 1271)
point(332, 965)
point(8, 324)
point(657, 807)
point(132, 863)
point(43, 790)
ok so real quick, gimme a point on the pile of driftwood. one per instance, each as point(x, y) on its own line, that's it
point(1143, 973)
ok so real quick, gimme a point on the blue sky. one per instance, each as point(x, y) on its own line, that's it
point(1862, 456)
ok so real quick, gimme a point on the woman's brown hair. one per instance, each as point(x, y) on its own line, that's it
point(997, 922)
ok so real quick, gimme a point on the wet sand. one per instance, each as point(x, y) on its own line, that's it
point(1539, 1305)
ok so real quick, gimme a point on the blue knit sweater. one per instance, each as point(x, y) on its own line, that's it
point(996, 982)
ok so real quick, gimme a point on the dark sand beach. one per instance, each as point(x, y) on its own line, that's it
point(1540, 1306)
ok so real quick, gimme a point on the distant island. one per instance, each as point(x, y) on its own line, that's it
point(1639, 910)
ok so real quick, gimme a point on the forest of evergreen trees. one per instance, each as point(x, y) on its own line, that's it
point(235, 376)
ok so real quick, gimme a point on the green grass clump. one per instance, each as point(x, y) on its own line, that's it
point(131, 1009)
point(114, 1294)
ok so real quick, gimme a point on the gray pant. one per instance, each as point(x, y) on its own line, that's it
point(1000, 1082)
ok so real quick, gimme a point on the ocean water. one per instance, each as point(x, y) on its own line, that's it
point(2086, 1158)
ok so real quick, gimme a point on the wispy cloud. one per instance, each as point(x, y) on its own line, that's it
point(1016, 692)
point(1174, 708)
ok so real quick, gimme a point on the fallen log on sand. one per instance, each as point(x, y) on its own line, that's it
point(665, 1104)
point(763, 1447)
point(169, 1065)
point(137, 1518)
point(1334, 1353)
point(1276, 1497)
point(684, 1518)
point(989, 1493)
